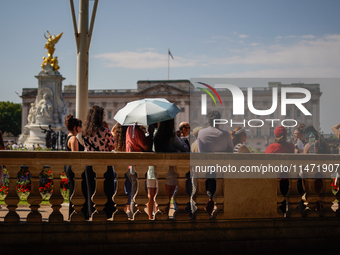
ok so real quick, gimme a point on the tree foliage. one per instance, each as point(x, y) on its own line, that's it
point(10, 118)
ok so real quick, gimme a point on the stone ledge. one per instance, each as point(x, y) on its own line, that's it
point(237, 236)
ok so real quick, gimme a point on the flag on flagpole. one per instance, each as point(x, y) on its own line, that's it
point(170, 54)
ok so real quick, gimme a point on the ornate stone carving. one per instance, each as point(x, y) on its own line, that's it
point(31, 114)
point(44, 110)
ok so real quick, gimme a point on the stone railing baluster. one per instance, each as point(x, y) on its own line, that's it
point(142, 196)
point(120, 197)
point(78, 198)
point(99, 197)
point(56, 199)
point(160, 199)
point(181, 197)
point(12, 198)
point(293, 199)
point(235, 198)
point(34, 199)
point(327, 198)
point(312, 195)
point(282, 191)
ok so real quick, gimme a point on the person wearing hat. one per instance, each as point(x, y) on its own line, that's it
point(280, 145)
point(239, 136)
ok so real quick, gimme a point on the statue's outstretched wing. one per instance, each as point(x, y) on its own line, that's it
point(56, 39)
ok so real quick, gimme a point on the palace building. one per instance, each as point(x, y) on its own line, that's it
point(178, 92)
point(261, 128)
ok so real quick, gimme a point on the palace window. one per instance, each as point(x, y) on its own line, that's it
point(258, 132)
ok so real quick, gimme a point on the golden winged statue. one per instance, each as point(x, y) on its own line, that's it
point(51, 41)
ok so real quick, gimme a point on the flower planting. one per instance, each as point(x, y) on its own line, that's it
point(23, 184)
point(5, 185)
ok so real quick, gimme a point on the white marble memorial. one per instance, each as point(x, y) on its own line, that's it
point(48, 109)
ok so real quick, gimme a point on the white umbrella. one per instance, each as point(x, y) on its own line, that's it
point(146, 112)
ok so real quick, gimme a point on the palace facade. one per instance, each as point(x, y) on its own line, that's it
point(178, 92)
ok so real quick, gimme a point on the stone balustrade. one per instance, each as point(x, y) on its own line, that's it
point(235, 198)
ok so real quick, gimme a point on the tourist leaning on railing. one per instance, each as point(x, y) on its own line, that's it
point(74, 126)
point(97, 137)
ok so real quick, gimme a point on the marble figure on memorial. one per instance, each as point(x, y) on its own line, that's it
point(31, 114)
point(44, 109)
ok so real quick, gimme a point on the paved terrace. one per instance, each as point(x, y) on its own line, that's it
point(253, 215)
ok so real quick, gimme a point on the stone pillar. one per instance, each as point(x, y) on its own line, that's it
point(24, 115)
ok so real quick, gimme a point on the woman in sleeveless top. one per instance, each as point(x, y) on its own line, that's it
point(74, 127)
point(239, 136)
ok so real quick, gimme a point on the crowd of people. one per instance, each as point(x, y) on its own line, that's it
point(97, 137)
point(13, 146)
point(163, 137)
point(214, 139)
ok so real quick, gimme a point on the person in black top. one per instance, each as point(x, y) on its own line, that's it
point(74, 127)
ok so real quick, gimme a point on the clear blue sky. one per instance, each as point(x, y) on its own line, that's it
point(207, 39)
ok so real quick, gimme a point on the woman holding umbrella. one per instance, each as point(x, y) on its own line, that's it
point(146, 111)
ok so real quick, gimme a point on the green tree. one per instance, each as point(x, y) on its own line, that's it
point(10, 118)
